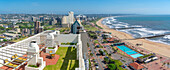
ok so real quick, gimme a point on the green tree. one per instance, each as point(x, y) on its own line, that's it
point(112, 66)
point(4, 40)
point(106, 60)
point(8, 28)
point(91, 54)
point(2, 28)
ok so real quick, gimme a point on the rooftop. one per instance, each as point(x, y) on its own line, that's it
point(136, 65)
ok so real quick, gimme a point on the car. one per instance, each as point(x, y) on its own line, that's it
point(104, 53)
point(106, 57)
point(97, 66)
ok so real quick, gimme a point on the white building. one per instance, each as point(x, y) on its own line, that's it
point(67, 21)
point(30, 48)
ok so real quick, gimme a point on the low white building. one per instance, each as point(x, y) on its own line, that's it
point(11, 35)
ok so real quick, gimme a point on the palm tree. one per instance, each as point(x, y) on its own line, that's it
point(91, 54)
point(160, 57)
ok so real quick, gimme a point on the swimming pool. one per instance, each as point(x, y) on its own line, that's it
point(129, 51)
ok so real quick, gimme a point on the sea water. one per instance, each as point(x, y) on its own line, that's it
point(145, 26)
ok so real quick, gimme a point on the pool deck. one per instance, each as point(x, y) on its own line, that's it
point(130, 54)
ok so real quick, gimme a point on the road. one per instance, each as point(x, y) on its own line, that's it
point(99, 61)
point(84, 39)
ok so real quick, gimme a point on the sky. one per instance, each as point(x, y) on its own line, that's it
point(85, 6)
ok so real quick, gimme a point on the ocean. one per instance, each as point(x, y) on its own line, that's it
point(143, 26)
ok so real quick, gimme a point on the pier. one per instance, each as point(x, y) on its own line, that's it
point(149, 37)
point(125, 28)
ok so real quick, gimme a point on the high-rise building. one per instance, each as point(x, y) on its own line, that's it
point(30, 31)
point(33, 19)
point(52, 21)
point(67, 21)
point(58, 20)
point(76, 27)
point(71, 17)
point(41, 18)
point(37, 25)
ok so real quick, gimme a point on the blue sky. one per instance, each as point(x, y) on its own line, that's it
point(86, 6)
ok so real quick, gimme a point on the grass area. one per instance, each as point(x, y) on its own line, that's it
point(115, 65)
point(94, 21)
point(33, 66)
point(17, 40)
point(50, 47)
point(67, 60)
point(146, 56)
point(25, 25)
point(90, 28)
point(52, 28)
point(65, 29)
point(68, 43)
point(96, 41)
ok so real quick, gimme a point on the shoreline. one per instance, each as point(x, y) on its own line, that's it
point(154, 47)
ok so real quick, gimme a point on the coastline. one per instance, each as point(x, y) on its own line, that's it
point(154, 47)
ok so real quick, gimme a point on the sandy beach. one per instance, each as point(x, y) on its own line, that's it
point(158, 48)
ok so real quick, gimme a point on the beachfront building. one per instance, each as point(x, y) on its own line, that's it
point(76, 27)
point(106, 35)
point(147, 58)
point(30, 53)
point(136, 66)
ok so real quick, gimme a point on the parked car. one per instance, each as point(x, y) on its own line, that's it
point(97, 66)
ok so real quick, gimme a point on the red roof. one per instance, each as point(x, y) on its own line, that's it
point(136, 65)
point(110, 39)
point(96, 44)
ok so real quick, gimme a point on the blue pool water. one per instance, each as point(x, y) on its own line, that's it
point(136, 55)
point(129, 51)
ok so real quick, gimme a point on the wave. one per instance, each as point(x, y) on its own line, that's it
point(167, 37)
point(141, 31)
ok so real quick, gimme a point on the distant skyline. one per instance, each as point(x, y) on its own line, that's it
point(85, 6)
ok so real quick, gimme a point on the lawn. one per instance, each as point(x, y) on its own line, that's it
point(67, 60)
point(50, 47)
point(68, 43)
point(90, 28)
point(94, 21)
point(52, 28)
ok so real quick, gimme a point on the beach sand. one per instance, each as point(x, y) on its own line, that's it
point(154, 47)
